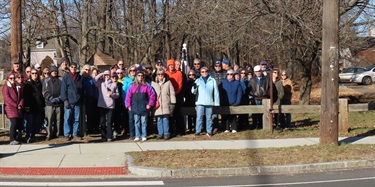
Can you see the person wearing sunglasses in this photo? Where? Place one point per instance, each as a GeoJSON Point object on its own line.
{"type": "Point", "coordinates": [278, 93]}
{"type": "Point", "coordinates": [230, 95]}
{"type": "Point", "coordinates": [190, 100]}
{"type": "Point", "coordinates": [128, 80]}
{"type": "Point", "coordinates": [14, 105]}
{"type": "Point", "coordinates": [207, 96]}
{"type": "Point", "coordinates": [63, 66]}
{"type": "Point", "coordinates": [166, 98]}
{"type": "Point", "coordinates": [140, 99]}
{"type": "Point", "coordinates": [72, 93]}
{"type": "Point", "coordinates": [108, 92]}
{"type": "Point", "coordinates": [285, 118]}
{"type": "Point", "coordinates": [34, 105]}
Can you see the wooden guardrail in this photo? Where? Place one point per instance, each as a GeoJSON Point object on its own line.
{"type": "Point", "coordinates": [344, 109]}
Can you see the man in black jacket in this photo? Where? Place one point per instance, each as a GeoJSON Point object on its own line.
{"type": "Point", "coordinates": [259, 88]}
{"type": "Point", "coordinates": [51, 94]}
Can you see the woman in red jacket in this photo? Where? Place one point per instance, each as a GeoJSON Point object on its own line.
{"type": "Point", "coordinates": [13, 100]}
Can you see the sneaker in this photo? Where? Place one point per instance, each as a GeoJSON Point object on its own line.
{"type": "Point", "coordinates": [196, 135]}
{"type": "Point", "coordinates": [160, 136]}
{"type": "Point", "coordinates": [209, 134]}
{"type": "Point", "coordinates": [226, 131]}
{"type": "Point", "coordinates": [166, 137]}
{"type": "Point", "coordinates": [234, 131]}
{"type": "Point", "coordinates": [67, 138]}
{"type": "Point", "coordinates": [144, 139]}
{"type": "Point", "coordinates": [136, 139]}
{"type": "Point", "coordinates": [109, 140]}
{"type": "Point", "coordinates": [114, 134]}
{"type": "Point", "coordinates": [14, 142]}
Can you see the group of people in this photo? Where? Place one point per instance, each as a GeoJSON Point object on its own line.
{"type": "Point", "coordinates": [125, 101]}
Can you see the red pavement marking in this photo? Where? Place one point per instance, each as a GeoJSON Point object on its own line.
{"type": "Point", "coordinates": [64, 171]}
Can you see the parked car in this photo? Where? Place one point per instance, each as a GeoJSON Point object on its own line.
{"type": "Point", "coordinates": [367, 77]}
{"type": "Point", "coordinates": [347, 73]}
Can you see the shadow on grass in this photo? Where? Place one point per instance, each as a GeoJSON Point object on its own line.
{"type": "Point", "coordinates": [305, 123]}
{"type": "Point", "coordinates": [358, 137]}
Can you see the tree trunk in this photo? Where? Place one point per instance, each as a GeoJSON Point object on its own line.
{"type": "Point", "coordinates": [65, 42]}
{"type": "Point", "coordinates": [84, 39]}
{"type": "Point", "coordinates": [102, 25]}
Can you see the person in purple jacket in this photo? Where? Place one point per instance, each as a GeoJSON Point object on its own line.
{"type": "Point", "coordinates": [139, 99]}
{"type": "Point", "coordinates": [108, 92]}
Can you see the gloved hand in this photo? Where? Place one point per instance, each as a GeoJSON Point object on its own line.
{"type": "Point", "coordinates": [66, 104]}
{"type": "Point", "coordinates": [56, 100]}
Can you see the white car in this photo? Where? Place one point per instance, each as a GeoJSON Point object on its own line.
{"type": "Point", "coordinates": [347, 73]}
{"type": "Point", "coordinates": [367, 77]}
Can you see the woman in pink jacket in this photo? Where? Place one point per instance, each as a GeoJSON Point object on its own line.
{"type": "Point", "coordinates": [13, 100]}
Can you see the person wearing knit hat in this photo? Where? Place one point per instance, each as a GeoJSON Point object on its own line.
{"type": "Point", "coordinates": [226, 64]}
{"type": "Point", "coordinates": [63, 66]}
{"type": "Point", "coordinates": [177, 79]}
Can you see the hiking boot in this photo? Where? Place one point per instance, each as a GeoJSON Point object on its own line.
{"type": "Point", "coordinates": [48, 138]}
{"type": "Point", "coordinates": [67, 138]}
{"type": "Point", "coordinates": [196, 135]}
{"type": "Point", "coordinates": [210, 134]}
{"type": "Point", "coordinates": [166, 137]}
{"type": "Point", "coordinates": [160, 136]}
{"type": "Point", "coordinates": [109, 140]}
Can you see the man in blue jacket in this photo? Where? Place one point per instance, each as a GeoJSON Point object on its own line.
{"type": "Point", "coordinates": [72, 95]}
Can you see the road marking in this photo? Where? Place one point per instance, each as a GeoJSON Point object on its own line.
{"type": "Point", "coordinates": [298, 183]}
{"type": "Point", "coordinates": [114, 183]}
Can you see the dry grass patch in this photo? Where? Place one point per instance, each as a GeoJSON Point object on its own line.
{"type": "Point", "coordinates": [251, 157]}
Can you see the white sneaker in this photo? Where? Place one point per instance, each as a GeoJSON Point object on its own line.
{"type": "Point", "coordinates": [226, 131]}
{"type": "Point", "coordinates": [136, 139]}
{"type": "Point", "coordinates": [234, 131]}
{"type": "Point", "coordinates": [144, 139]}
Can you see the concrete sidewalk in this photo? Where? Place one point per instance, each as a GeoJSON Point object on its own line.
{"type": "Point", "coordinates": [85, 159]}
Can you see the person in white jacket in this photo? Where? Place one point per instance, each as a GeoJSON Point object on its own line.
{"type": "Point", "coordinates": [207, 96]}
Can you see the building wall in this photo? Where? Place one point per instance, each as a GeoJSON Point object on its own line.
{"type": "Point", "coordinates": [38, 56]}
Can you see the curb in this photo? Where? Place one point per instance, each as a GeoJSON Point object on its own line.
{"type": "Point", "coordinates": [251, 170]}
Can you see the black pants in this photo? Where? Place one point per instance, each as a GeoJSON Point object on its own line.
{"type": "Point", "coordinates": [15, 124]}
{"type": "Point", "coordinates": [106, 122]}
{"type": "Point", "coordinates": [230, 122]}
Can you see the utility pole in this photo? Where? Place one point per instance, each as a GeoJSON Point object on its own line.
{"type": "Point", "coordinates": [329, 106]}
{"type": "Point", "coordinates": [16, 33]}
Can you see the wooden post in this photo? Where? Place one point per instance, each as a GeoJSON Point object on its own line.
{"type": "Point", "coordinates": [330, 90]}
{"type": "Point", "coordinates": [266, 114]}
{"type": "Point", "coordinates": [343, 115]}
{"type": "Point", "coordinates": [16, 35]}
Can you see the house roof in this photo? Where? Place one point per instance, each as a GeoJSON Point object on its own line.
{"type": "Point", "coordinates": [100, 59]}
{"type": "Point", "coordinates": [48, 46]}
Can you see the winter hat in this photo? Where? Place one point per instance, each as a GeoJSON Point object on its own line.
{"type": "Point", "coordinates": [53, 68]}
{"type": "Point", "coordinates": [119, 71]}
{"type": "Point", "coordinates": [63, 59]}
{"type": "Point", "coordinates": [257, 68]}
{"type": "Point", "coordinates": [217, 62]}
{"type": "Point", "coordinates": [158, 62]}
{"type": "Point", "coordinates": [263, 62]}
{"type": "Point", "coordinates": [73, 64]}
{"type": "Point", "coordinates": [170, 62]}
{"type": "Point", "coordinates": [37, 66]}
{"type": "Point", "coordinates": [226, 61]}
{"type": "Point", "coordinates": [106, 72]}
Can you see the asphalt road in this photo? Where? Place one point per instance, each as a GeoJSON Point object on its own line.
{"type": "Point", "coordinates": [348, 178]}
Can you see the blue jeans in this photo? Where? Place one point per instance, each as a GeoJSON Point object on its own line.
{"type": "Point", "coordinates": [163, 124]}
{"type": "Point", "coordinates": [71, 119]}
{"type": "Point", "coordinates": [106, 121]}
{"type": "Point", "coordinates": [131, 124]}
{"type": "Point", "coordinates": [201, 110]}
{"type": "Point", "coordinates": [140, 120]}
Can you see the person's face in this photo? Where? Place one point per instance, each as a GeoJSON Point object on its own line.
{"type": "Point", "coordinates": [45, 74]}
{"type": "Point", "coordinates": [235, 67]}
{"type": "Point", "coordinates": [11, 79]}
{"type": "Point", "coordinates": [86, 70]}
{"type": "Point", "coordinates": [94, 73]}
{"type": "Point", "coordinates": [263, 67]}
{"type": "Point", "coordinates": [192, 75]}
{"type": "Point", "coordinates": [149, 70]}
{"type": "Point", "coordinates": [275, 74]}
{"type": "Point", "coordinates": [132, 72]}
{"type": "Point", "coordinates": [204, 73]}
{"type": "Point", "coordinates": [225, 66]}
{"type": "Point", "coordinates": [107, 77]}
{"type": "Point", "coordinates": [120, 74]}
{"type": "Point", "coordinates": [160, 76]}
{"type": "Point", "coordinates": [237, 77]}
{"type": "Point", "coordinates": [140, 77]}
{"type": "Point", "coordinates": [16, 67]}
{"type": "Point", "coordinates": [19, 79]}
{"type": "Point", "coordinates": [73, 69]}
{"type": "Point", "coordinates": [249, 75]}
{"type": "Point", "coordinates": [177, 65]}
{"type": "Point", "coordinates": [283, 76]}
{"type": "Point", "coordinates": [197, 65]}
{"type": "Point", "coordinates": [120, 64]}
{"type": "Point", "coordinates": [258, 73]}
{"type": "Point", "coordinates": [53, 73]}
{"type": "Point", "coordinates": [114, 78]}
{"type": "Point", "coordinates": [34, 75]}
{"type": "Point", "coordinates": [158, 65]}
{"type": "Point", "coordinates": [28, 71]}
{"type": "Point", "coordinates": [243, 74]}
{"type": "Point", "coordinates": [230, 75]}
{"type": "Point", "coordinates": [64, 64]}
{"type": "Point", "coordinates": [217, 67]}
{"type": "Point", "coordinates": [171, 67]}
